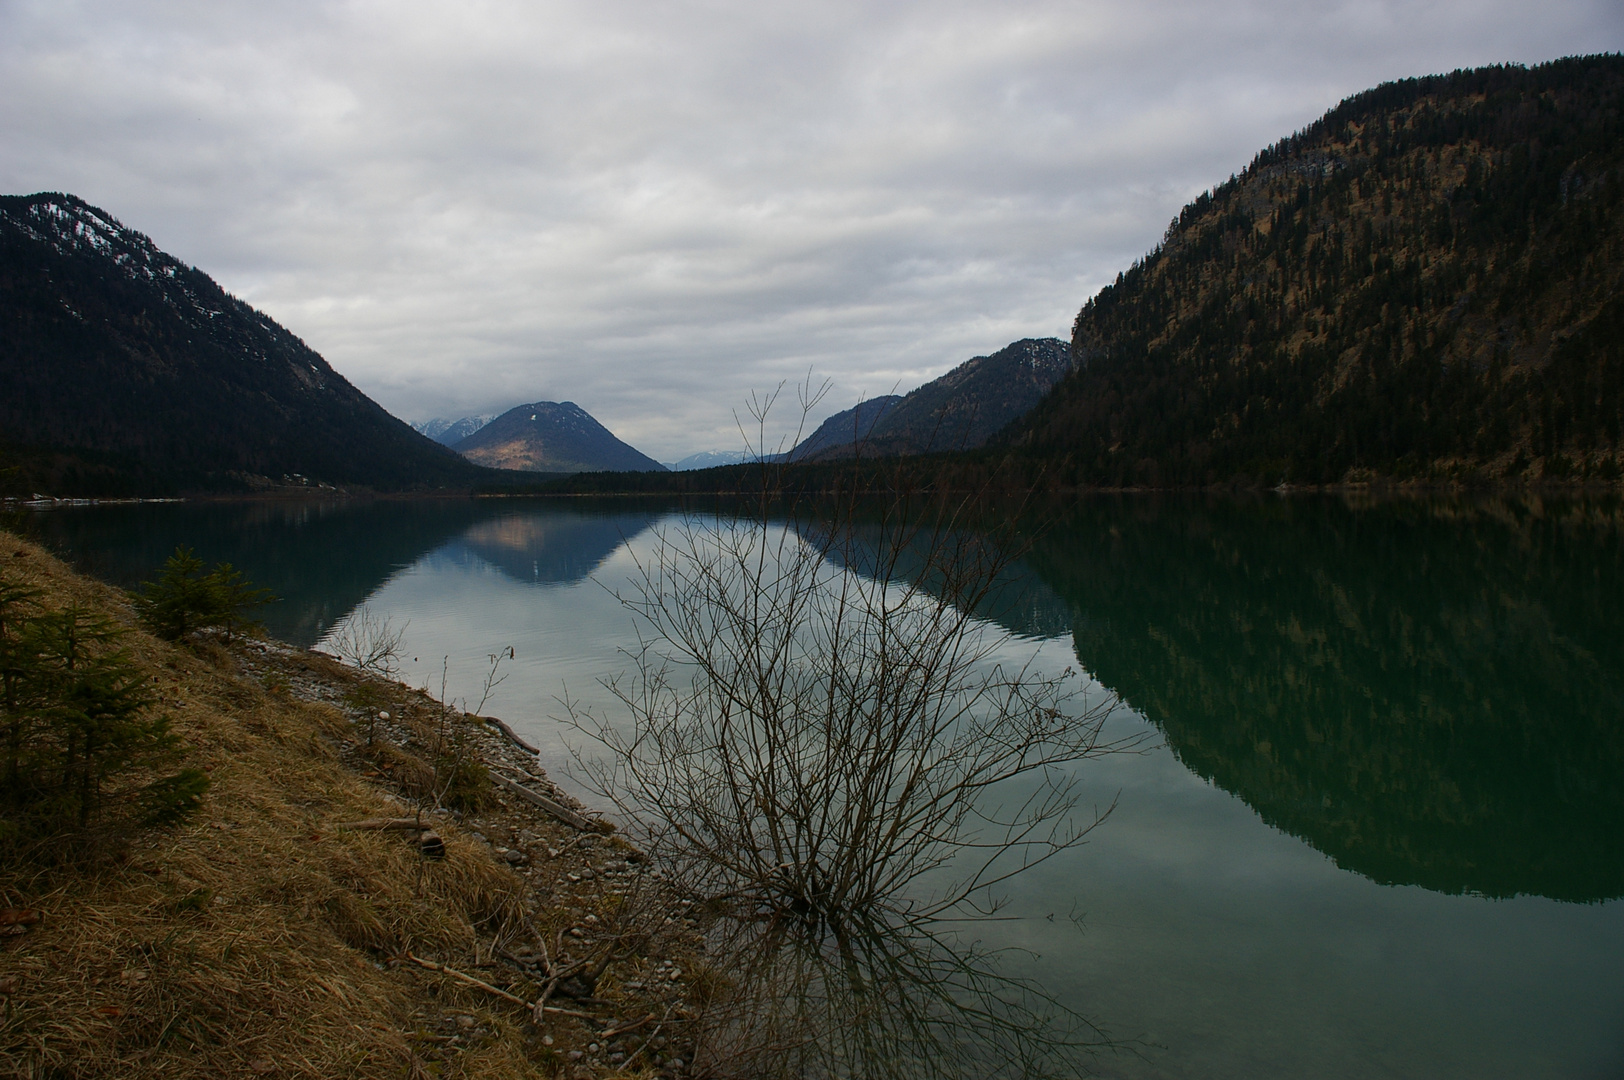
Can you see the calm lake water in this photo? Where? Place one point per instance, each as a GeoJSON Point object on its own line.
{"type": "Point", "coordinates": [1381, 832]}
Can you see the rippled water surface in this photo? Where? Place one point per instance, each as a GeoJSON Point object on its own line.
{"type": "Point", "coordinates": [1382, 829]}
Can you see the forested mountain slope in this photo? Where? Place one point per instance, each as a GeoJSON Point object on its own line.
{"type": "Point", "coordinates": [1424, 284]}
{"type": "Point", "coordinates": [957, 411]}
{"type": "Point", "coordinates": [124, 371]}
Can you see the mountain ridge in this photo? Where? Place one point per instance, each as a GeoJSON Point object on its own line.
{"type": "Point", "coordinates": [446, 432]}
{"type": "Point", "coordinates": [960, 410]}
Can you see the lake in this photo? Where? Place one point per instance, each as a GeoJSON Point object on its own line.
{"type": "Point", "coordinates": [1380, 830]}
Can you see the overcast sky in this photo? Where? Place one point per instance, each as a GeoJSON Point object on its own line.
{"type": "Point", "coordinates": [653, 208]}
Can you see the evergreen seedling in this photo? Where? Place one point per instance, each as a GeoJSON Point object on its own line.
{"type": "Point", "coordinates": [86, 759]}
{"type": "Point", "coordinates": [186, 598]}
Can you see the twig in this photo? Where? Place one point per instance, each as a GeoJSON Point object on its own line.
{"type": "Point", "coordinates": [405, 824]}
{"type": "Point", "coordinates": [469, 979]}
{"type": "Point", "coordinates": [612, 1032]}
{"type": "Point", "coordinates": [627, 1064]}
{"type": "Point", "coordinates": [480, 984]}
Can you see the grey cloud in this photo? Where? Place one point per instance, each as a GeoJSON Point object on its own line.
{"type": "Point", "coordinates": [653, 208]}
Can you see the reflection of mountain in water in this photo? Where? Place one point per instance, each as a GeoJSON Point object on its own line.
{"type": "Point", "coordinates": [550, 547]}
{"type": "Point", "coordinates": [321, 559]}
{"type": "Point", "coordinates": [325, 559]}
{"type": "Point", "coordinates": [1431, 696]}
{"type": "Point", "coordinates": [1018, 599]}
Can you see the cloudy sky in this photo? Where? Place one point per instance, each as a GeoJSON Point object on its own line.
{"type": "Point", "coordinates": [653, 208]}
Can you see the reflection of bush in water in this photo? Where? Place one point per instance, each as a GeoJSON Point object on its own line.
{"type": "Point", "coordinates": [884, 999]}
{"type": "Point", "coordinates": [818, 754]}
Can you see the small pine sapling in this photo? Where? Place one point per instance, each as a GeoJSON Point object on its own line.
{"type": "Point", "coordinates": [88, 762]}
{"type": "Point", "coordinates": [186, 598]}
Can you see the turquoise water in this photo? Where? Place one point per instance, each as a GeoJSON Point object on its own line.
{"type": "Point", "coordinates": [1380, 831]}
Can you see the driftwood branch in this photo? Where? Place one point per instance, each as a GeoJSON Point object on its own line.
{"type": "Point", "coordinates": [556, 809]}
{"type": "Point", "coordinates": [501, 725]}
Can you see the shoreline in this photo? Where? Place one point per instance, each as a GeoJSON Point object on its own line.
{"type": "Point", "coordinates": [1364, 491]}
{"type": "Point", "coordinates": [314, 942]}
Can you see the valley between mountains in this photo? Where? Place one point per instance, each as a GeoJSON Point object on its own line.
{"type": "Point", "coordinates": [1421, 287]}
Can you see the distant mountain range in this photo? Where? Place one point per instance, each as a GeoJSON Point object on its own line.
{"type": "Point", "coordinates": [1425, 284]}
{"type": "Point", "coordinates": [552, 437]}
{"type": "Point", "coordinates": [707, 459]}
{"type": "Point", "coordinates": [451, 432]}
{"type": "Point", "coordinates": [124, 371]}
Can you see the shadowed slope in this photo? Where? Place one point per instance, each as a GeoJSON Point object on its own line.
{"type": "Point", "coordinates": [124, 371]}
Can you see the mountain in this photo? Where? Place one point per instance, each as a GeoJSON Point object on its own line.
{"type": "Point", "coordinates": [1427, 283]}
{"type": "Point", "coordinates": [844, 428]}
{"type": "Point", "coordinates": [973, 402]}
{"type": "Point", "coordinates": [553, 437]}
{"type": "Point", "coordinates": [707, 459]}
{"type": "Point", "coordinates": [124, 371]}
{"type": "Point", "coordinates": [448, 432]}
{"type": "Point", "coordinates": [959, 411]}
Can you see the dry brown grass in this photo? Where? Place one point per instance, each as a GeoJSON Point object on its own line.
{"type": "Point", "coordinates": [255, 939]}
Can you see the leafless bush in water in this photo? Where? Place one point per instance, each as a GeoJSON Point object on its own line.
{"type": "Point", "coordinates": [821, 741]}
{"type": "Point", "coordinates": [367, 642]}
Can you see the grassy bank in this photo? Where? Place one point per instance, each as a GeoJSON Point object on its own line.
{"type": "Point", "coordinates": [269, 936]}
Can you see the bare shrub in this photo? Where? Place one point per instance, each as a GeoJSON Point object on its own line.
{"type": "Point", "coordinates": [368, 642]}
{"type": "Point", "coordinates": [831, 751]}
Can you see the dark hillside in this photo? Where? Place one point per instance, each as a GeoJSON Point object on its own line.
{"type": "Point", "coordinates": [844, 428]}
{"type": "Point", "coordinates": [958, 411]}
{"type": "Point", "coordinates": [973, 402]}
{"type": "Point", "coordinates": [123, 371]}
{"type": "Point", "coordinates": [1427, 283]}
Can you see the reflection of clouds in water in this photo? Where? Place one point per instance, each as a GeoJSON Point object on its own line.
{"type": "Point", "coordinates": [463, 608]}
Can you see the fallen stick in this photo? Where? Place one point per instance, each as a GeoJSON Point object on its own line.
{"type": "Point", "coordinates": [557, 810]}
{"type": "Point", "coordinates": [612, 1032]}
{"type": "Point", "coordinates": [481, 984]}
{"type": "Point", "coordinates": [627, 1064]}
{"type": "Point", "coordinates": [405, 824]}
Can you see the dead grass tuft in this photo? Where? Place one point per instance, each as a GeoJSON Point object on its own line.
{"type": "Point", "coordinates": [414, 775]}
